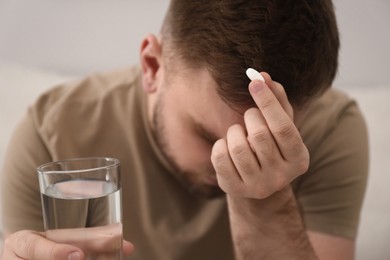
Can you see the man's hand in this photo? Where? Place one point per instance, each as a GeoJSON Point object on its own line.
{"type": "Point", "coordinates": [255, 165]}
{"type": "Point", "coordinates": [266, 155]}
{"type": "Point", "coordinates": [34, 245]}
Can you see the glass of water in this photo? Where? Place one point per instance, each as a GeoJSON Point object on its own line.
{"type": "Point", "coordinates": [81, 205]}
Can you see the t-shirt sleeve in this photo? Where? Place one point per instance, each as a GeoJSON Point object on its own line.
{"type": "Point", "coordinates": [331, 193]}
{"type": "Point", "coordinates": [20, 189]}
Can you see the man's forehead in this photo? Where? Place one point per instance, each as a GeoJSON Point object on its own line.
{"type": "Point", "coordinates": [214, 124]}
{"type": "Point", "coordinates": [208, 83]}
{"type": "Point", "coordinates": [210, 114]}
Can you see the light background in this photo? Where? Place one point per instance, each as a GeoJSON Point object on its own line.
{"type": "Point", "coordinates": [78, 37]}
{"type": "Point", "coordinates": [43, 42]}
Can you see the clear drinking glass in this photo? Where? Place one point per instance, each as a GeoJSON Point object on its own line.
{"type": "Point", "coordinates": [81, 204]}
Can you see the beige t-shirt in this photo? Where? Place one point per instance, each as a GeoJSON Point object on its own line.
{"type": "Point", "coordinates": [105, 115]}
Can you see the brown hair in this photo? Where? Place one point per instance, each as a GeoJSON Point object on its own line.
{"type": "Point", "coordinates": [295, 41]}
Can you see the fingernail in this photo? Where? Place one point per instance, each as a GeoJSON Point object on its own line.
{"type": "Point", "coordinates": [256, 86]}
{"type": "Point", "coordinates": [74, 256]}
{"type": "Point", "coordinates": [254, 74]}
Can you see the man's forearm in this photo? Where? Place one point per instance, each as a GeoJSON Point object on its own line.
{"type": "Point", "coordinates": [271, 228]}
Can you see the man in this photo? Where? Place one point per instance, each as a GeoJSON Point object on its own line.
{"type": "Point", "coordinates": [210, 169]}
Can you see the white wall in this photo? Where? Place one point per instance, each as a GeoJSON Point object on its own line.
{"type": "Point", "coordinates": [78, 37]}
{"type": "Point", "coordinates": [365, 42]}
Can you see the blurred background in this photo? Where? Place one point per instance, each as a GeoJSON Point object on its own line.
{"type": "Point", "coordinates": [44, 42]}
{"type": "Point", "coordinates": [78, 37]}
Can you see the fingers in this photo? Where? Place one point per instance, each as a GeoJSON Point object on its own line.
{"type": "Point", "coordinates": [242, 154]}
{"type": "Point", "coordinates": [69, 244]}
{"type": "Point", "coordinates": [103, 239]}
{"type": "Point", "coordinates": [228, 178]}
{"type": "Point", "coordinates": [266, 153]}
{"type": "Point", "coordinates": [261, 139]}
{"type": "Point", "coordinates": [33, 245]}
{"type": "Point", "coordinates": [237, 166]}
{"type": "Point", "coordinates": [128, 248]}
{"type": "Point", "coordinates": [280, 94]}
{"type": "Point", "coordinates": [281, 126]}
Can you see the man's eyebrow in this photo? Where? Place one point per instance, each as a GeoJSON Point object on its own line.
{"type": "Point", "coordinates": [205, 133]}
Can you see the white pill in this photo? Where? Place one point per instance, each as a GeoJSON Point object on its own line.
{"type": "Point", "coordinates": [254, 74]}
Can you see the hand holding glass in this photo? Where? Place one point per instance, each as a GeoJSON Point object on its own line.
{"type": "Point", "coordinates": [81, 204]}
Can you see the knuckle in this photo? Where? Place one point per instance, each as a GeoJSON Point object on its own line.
{"type": "Point", "coordinates": [267, 103]}
{"type": "Point", "coordinates": [234, 129]}
{"type": "Point", "coordinates": [268, 157]}
{"type": "Point", "coordinates": [303, 164]}
{"type": "Point", "coordinates": [218, 159]}
{"type": "Point", "coordinates": [229, 187]}
{"type": "Point", "coordinates": [302, 160]}
{"type": "Point", "coordinates": [20, 241]}
{"type": "Point", "coordinates": [24, 244]}
{"type": "Point", "coordinates": [280, 183]}
{"type": "Point", "coordinates": [221, 168]}
{"type": "Point", "coordinates": [260, 136]}
{"type": "Point", "coordinates": [285, 130]}
{"type": "Point", "coordinates": [251, 111]}
{"type": "Point", "coordinates": [218, 153]}
{"type": "Point", "coordinates": [238, 150]}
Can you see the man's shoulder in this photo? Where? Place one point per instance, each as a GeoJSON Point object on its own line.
{"type": "Point", "coordinates": [325, 113]}
{"type": "Point", "coordinates": [87, 91]}
{"type": "Point", "coordinates": [331, 103]}
{"type": "Point", "coordinates": [93, 85]}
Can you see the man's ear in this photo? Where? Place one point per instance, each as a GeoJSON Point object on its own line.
{"type": "Point", "coordinates": [150, 55]}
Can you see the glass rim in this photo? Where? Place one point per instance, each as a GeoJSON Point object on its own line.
{"type": "Point", "coordinates": [115, 162]}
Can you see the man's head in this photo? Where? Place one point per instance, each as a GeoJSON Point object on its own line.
{"type": "Point", "coordinates": [295, 41]}
{"type": "Point", "coordinates": [194, 73]}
